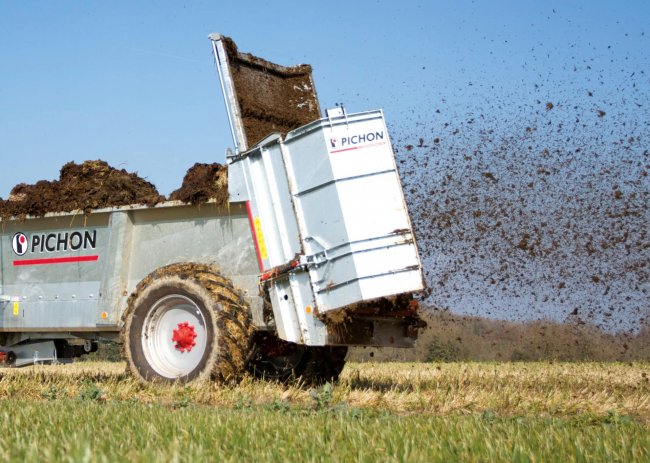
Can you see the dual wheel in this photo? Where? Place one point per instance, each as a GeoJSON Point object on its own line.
{"type": "Point", "coordinates": [185, 322]}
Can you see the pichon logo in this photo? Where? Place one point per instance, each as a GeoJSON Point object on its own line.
{"type": "Point", "coordinates": [357, 139]}
{"type": "Point", "coordinates": [54, 242]}
{"type": "Point", "coordinates": [19, 243]}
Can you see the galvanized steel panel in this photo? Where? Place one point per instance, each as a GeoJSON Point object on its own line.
{"type": "Point", "coordinates": [52, 287]}
{"type": "Point", "coordinates": [331, 192]}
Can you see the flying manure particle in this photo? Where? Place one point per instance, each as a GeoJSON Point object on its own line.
{"type": "Point", "coordinates": [512, 211]}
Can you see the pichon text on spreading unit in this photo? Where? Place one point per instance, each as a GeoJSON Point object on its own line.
{"type": "Point", "coordinates": [56, 242]}
{"type": "Point", "coordinates": [356, 139]}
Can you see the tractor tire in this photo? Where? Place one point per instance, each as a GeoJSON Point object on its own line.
{"type": "Point", "coordinates": [185, 322]}
{"type": "Point", "coordinates": [277, 360]}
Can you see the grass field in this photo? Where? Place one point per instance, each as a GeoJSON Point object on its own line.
{"type": "Point", "coordinates": [378, 412]}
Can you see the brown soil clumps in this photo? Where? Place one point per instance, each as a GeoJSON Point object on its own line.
{"type": "Point", "coordinates": [203, 182]}
{"type": "Point", "coordinates": [272, 98]}
{"type": "Point", "coordinates": [86, 186]}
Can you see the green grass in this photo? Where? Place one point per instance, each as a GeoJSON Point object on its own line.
{"type": "Point", "coordinates": [78, 430]}
{"type": "Point", "coordinates": [377, 413]}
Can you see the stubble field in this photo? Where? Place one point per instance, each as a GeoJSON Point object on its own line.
{"type": "Point", "coordinates": [93, 411]}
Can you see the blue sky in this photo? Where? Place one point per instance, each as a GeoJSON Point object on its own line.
{"type": "Point", "coordinates": [133, 83]}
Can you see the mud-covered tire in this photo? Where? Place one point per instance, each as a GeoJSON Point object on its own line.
{"type": "Point", "coordinates": [308, 365]}
{"type": "Point", "coordinates": [185, 322]}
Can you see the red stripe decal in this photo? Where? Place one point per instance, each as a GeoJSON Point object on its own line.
{"type": "Point", "coordinates": [257, 246]}
{"type": "Point", "coordinates": [56, 260]}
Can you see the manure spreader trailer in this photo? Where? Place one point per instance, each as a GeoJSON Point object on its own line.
{"type": "Point", "coordinates": [313, 252]}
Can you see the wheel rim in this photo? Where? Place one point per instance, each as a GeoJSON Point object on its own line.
{"type": "Point", "coordinates": [174, 336]}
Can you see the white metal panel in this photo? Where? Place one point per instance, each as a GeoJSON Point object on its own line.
{"type": "Point", "coordinates": [284, 215]}
{"type": "Point", "coordinates": [367, 148]}
{"type": "Point", "coordinates": [314, 331]}
{"type": "Point", "coordinates": [293, 311]}
{"type": "Point", "coordinates": [284, 312]}
{"type": "Point", "coordinates": [338, 200]}
{"type": "Point", "coordinates": [353, 205]}
{"type": "Point", "coordinates": [382, 285]}
{"type": "Point", "coordinates": [372, 206]}
{"type": "Point", "coordinates": [309, 165]}
{"type": "Point", "coordinates": [237, 183]}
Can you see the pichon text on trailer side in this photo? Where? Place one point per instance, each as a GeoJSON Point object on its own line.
{"type": "Point", "coordinates": [356, 139]}
{"type": "Point", "coordinates": [54, 242]}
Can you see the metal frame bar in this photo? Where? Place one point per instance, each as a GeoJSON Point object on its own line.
{"type": "Point", "coordinates": [229, 94]}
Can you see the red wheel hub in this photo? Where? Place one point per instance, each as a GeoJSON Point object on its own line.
{"type": "Point", "coordinates": [184, 337]}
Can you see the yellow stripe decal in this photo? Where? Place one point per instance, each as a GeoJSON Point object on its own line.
{"type": "Point", "coordinates": [260, 238]}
